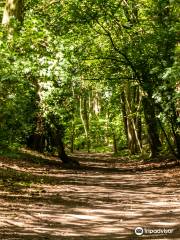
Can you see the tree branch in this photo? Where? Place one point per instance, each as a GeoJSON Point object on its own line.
{"type": "Point", "coordinates": [129, 63]}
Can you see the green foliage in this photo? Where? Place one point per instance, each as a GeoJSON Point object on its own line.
{"type": "Point", "coordinates": [67, 50]}
{"type": "Point", "coordinates": [16, 101]}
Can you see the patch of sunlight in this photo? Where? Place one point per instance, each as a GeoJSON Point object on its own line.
{"type": "Point", "coordinates": [132, 214]}
{"type": "Point", "coordinates": [162, 203]}
{"type": "Point", "coordinates": [160, 223]}
{"type": "Point", "coordinates": [3, 224]}
{"type": "Point", "coordinates": [111, 229]}
{"type": "Point", "coordinates": [15, 223]}
{"type": "Point", "coordinates": [43, 229]}
{"type": "Point", "coordinates": [82, 217]}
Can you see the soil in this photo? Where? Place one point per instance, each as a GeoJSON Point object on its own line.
{"type": "Point", "coordinates": [106, 198]}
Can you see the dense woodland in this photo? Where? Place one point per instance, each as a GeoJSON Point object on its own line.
{"type": "Point", "coordinates": [90, 75]}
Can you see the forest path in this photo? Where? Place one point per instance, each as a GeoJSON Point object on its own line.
{"type": "Point", "coordinates": [42, 201]}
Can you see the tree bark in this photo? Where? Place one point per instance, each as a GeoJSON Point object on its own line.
{"type": "Point", "coordinates": [13, 8]}
{"type": "Point", "coordinates": [152, 126]}
{"type": "Point", "coordinates": [60, 147]}
{"type": "Point", "coordinates": [114, 143]}
{"type": "Point", "coordinates": [123, 107]}
{"type": "Point", "coordinates": [72, 136]}
{"type": "Point", "coordinates": [132, 121]}
{"type": "Point", "coordinates": [85, 120]}
{"type": "Point", "coordinates": [175, 125]}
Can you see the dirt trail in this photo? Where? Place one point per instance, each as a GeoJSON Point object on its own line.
{"type": "Point", "coordinates": [82, 204]}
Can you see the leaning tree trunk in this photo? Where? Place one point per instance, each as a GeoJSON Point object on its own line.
{"type": "Point", "coordinates": [60, 147]}
{"type": "Point", "coordinates": [62, 153]}
{"type": "Point", "coordinates": [57, 134]}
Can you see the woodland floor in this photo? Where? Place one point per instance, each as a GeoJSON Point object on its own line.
{"type": "Point", "coordinates": [107, 198]}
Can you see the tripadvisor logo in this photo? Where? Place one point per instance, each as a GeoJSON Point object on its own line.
{"type": "Point", "coordinates": [139, 231]}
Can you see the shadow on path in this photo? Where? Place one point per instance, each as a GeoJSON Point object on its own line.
{"type": "Point", "coordinates": [42, 201]}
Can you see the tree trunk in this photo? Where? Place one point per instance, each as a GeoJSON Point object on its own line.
{"type": "Point", "coordinates": [72, 136]}
{"type": "Point", "coordinates": [85, 120]}
{"type": "Point", "coordinates": [176, 136]}
{"type": "Point", "coordinates": [152, 126]}
{"type": "Point", "coordinates": [13, 8]}
{"type": "Point", "coordinates": [175, 125]}
{"type": "Point", "coordinates": [61, 149]}
{"type": "Point", "coordinates": [36, 141]}
{"type": "Point", "coordinates": [114, 143]}
{"type": "Point", "coordinates": [62, 154]}
{"type": "Point", "coordinates": [131, 137]}
{"type": "Point", "coordinates": [167, 139]}
{"type": "Point", "coordinates": [124, 114]}
{"type": "Point", "coordinates": [131, 117]}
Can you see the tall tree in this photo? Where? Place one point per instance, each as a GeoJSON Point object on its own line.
{"type": "Point", "coordinates": [126, 40]}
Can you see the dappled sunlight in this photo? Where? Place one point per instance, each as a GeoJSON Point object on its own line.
{"type": "Point", "coordinates": [81, 203]}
